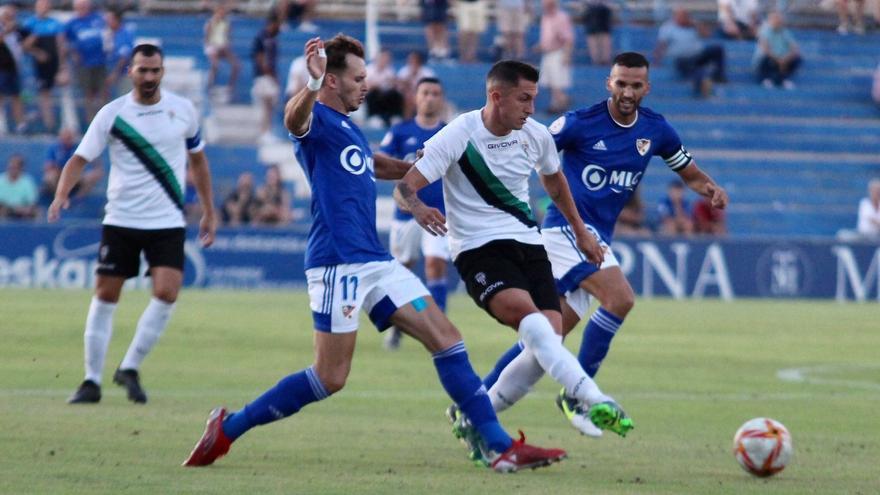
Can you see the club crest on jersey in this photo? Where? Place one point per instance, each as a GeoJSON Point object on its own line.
{"type": "Point", "coordinates": [347, 310]}
{"type": "Point", "coordinates": [643, 145]}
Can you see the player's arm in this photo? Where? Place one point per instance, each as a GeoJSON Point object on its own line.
{"type": "Point", "coordinates": [557, 188]}
{"type": "Point", "coordinates": [201, 175]}
{"type": "Point", "coordinates": [388, 167]}
{"type": "Point", "coordinates": [298, 111]}
{"type": "Point", "coordinates": [69, 177]}
{"type": "Point", "coordinates": [405, 194]}
{"type": "Point", "coordinates": [702, 184]}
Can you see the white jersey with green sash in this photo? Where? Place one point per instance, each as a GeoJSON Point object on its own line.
{"type": "Point", "coordinates": [486, 179]}
{"type": "Point", "coordinates": [148, 157]}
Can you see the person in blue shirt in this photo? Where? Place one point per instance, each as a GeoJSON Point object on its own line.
{"type": "Point", "coordinates": [118, 55]}
{"type": "Point", "coordinates": [606, 150]}
{"type": "Point", "coordinates": [349, 271]}
{"type": "Point", "coordinates": [408, 241]}
{"type": "Point", "coordinates": [43, 41]}
{"type": "Point", "coordinates": [85, 37]}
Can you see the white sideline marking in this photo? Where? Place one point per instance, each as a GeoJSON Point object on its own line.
{"type": "Point", "coordinates": [807, 374]}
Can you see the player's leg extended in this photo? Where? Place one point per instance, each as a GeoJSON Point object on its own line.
{"type": "Point", "coordinates": [616, 297]}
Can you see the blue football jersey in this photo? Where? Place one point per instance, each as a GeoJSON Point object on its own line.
{"type": "Point", "coordinates": [605, 161]}
{"type": "Point", "coordinates": [339, 164]}
{"type": "Point", "coordinates": [402, 141]}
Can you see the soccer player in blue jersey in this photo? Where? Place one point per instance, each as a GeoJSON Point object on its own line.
{"type": "Point", "coordinates": [348, 270]}
{"type": "Point", "coordinates": [407, 238]}
{"type": "Point", "coordinates": [606, 150]}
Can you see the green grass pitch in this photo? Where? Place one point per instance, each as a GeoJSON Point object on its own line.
{"type": "Point", "coordinates": [688, 372]}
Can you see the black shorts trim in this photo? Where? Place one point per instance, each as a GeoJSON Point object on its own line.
{"type": "Point", "coordinates": [508, 264]}
{"type": "Point", "coordinates": [121, 247]}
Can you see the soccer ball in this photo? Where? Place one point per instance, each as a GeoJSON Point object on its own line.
{"type": "Point", "coordinates": [762, 446]}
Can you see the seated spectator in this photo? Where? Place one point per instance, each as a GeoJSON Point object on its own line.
{"type": "Point", "coordinates": [631, 220]}
{"type": "Point", "coordinates": [383, 99]}
{"type": "Point", "coordinates": [680, 39]}
{"type": "Point", "coordinates": [471, 18]}
{"type": "Point", "coordinates": [218, 46]}
{"type": "Point", "coordinates": [273, 200]}
{"type": "Point", "coordinates": [777, 56]}
{"type": "Point", "coordinates": [408, 78]}
{"type": "Point", "coordinates": [869, 211]}
{"type": "Point", "coordinates": [875, 89]}
{"type": "Point", "coordinates": [597, 23]}
{"type": "Point", "coordinates": [240, 205]}
{"type": "Point", "coordinates": [434, 14]}
{"type": "Point", "coordinates": [18, 191]}
{"type": "Point", "coordinates": [43, 42]}
{"type": "Point", "coordinates": [299, 14]}
{"type": "Point", "coordinates": [56, 158]}
{"type": "Point", "coordinates": [674, 211]}
{"type": "Point", "coordinates": [556, 45]}
{"type": "Point", "coordinates": [119, 53]}
{"type": "Point", "coordinates": [297, 77]}
{"type": "Point", "coordinates": [738, 19]}
{"type": "Point", "coordinates": [709, 220]}
{"type": "Point", "coordinates": [11, 54]}
{"type": "Point", "coordinates": [858, 16]}
{"type": "Point", "coordinates": [512, 19]}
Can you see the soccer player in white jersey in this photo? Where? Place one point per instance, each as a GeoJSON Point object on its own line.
{"type": "Point", "coordinates": [606, 151]}
{"type": "Point", "coordinates": [485, 158]}
{"type": "Point", "coordinates": [349, 271]}
{"type": "Point", "coordinates": [151, 133]}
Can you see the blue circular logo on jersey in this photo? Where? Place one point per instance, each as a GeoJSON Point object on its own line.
{"type": "Point", "coordinates": [594, 177]}
{"type": "Point", "coordinates": [352, 159]}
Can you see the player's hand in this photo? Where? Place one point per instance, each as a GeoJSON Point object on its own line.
{"type": "Point", "coordinates": [717, 195]}
{"type": "Point", "coordinates": [589, 245]}
{"type": "Point", "coordinates": [316, 59]}
{"type": "Point", "coordinates": [431, 220]}
{"type": "Point", "coordinates": [54, 211]}
{"type": "Point", "coordinates": [207, 230]}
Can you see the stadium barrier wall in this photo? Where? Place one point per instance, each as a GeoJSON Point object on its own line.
{"type": "Point", "coordinates": [64, 256]}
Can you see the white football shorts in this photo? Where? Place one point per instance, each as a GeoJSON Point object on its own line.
{"type": "Point", "coordinates": [409, 242]}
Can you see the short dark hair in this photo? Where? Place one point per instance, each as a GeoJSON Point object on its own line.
{"type": "Point", "coordinates": [632, 60]}
{"type": "Point", "coordinates": [429, 80]}
{"type": "Point", "coordinates": [147, 50]}
{"type": "Point", "coordinates": [337, 48]}
{"type": "Point", "coordinates": [511, 71]}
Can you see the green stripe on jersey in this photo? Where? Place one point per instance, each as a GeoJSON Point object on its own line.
{"type": "Point", "coordinates": [491, 188]}
{"type": "Point", "coordinates": [150, 157]}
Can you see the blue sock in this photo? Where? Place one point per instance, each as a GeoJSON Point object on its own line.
{"type": "Point", "coordinates": [437, 288]}
{"type": "Point", "coordinates": [597, 339]}
{"type": "Point", "coordinates": [290, 395]}
{"type": "Point", "coordinates": [463, 385]}
{"type": "Point", "coordinates": [502, 363]}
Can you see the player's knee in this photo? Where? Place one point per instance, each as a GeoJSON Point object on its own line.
{"type": "Point", "coordinates": [622, 304]}
{"type": "Point", "coordinates": [333, 383]}
{"type": "Point", "coordinates": [167, 295]}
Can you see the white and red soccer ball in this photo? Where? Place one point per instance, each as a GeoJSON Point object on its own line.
{"type": "Point", "coordinates": [762, 446]}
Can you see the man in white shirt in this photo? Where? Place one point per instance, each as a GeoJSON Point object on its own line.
{"type": "Point", "coordinates": [738, 19]}
{"type": "Point", "coordinates": [485, 158]}
{"type": "Point", "coordinates": [869, 211]}
{"type": "Point", "coordinates": [151, 134]}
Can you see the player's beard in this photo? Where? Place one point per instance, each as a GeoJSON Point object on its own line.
{"type": "Point", "coordinates": [148, 91]}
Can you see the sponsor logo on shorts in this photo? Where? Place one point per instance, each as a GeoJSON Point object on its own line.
{"type": "Point", "coordinates": [480, 278]}
{"type": "Point", "coordinates": [489, 290]}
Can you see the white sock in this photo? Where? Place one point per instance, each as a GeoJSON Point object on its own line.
{"type": "Point", "coordinates": [515, 381]}
{"type": "Point", "coordinates": [149, 329]}
{"type": "Point", "coordinates": [99, 328]}
{"type": "Point", "coordinates": [538, 335]}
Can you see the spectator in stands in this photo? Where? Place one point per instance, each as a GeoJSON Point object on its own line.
{"type": "Point", "coordinates": [875, 89]}
{"type": "Point", "coordinates": [681, 40]}
{"type": "Point", "coordinates": [408, 78]}
{"type": "Point", "coordinates": [297, 77]}
{"type": "Point", "coordinates": [674, 211]}
{"type": "Point", "coordinates": [556, 45]}
{"type": "Point", "coordinates": [738, 19]}
{"type": "Point", "coordinates": [597, 23]}
{"type": "Point", "coordinates": [869, 211]}
{"type": "Point", "coordinates": [858, 16]}
{"type": "Point", "coordinates": [708, 220]}
{"type": "Point", "coordinates": [512, 18]}
{"type": "Point", "coordinates": [777, 56]}
{"type": "Point", "coordinates": [56, 157]}
{"type": "Point", "coordinates": [118, 54]}
{"type": "Point", "coordinates": [85, 36]}
{"type": "Point", "coordinates": [218, 46]}
{"type": "Point", "coordinates": [266, 90]}
{"type": "Point", "coordinates": [299, 13]}
{"type": "Point", "coordinates": [471, 22]}
{"type": "Point", "coordinates": [434, 14]}
{"type": "Point", "coordinates": [43, 42]}
{"type": "Point", "coordinates": [240, 205]}
{"type": "Point", "coordinates": [384, 100]}
{"type": "Point", "coordinates": [273, 200]}
{"type": "Point", "coordinates": [631, 220]}
{"type": "Point", "coordinates": [18, 191]}
{"type": "Point", "coordinates": [11, 54]}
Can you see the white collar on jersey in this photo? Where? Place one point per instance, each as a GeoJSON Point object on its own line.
{"type": "Point", "coordinates": [608, 103]}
